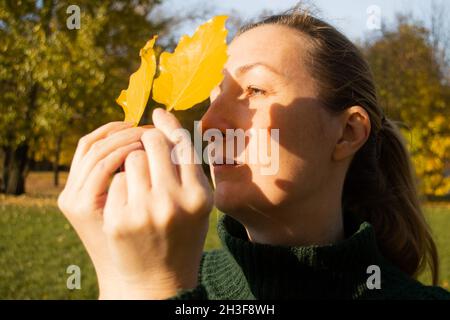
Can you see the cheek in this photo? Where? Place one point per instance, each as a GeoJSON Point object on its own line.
{"type": "Point", "coordinates": [306, 134]}
{"type": "Point", "coordinates": [292, 177]}
{"type": "Point", "coordinates": [302, 135]}
{"type": "Point", "coordinates": [304, 159]}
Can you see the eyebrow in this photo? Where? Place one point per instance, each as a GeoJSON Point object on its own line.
{"type": "Point", "coordinates": [245, 68]}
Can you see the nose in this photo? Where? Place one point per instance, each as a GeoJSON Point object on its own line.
{"type": "Point", "coordinates": [223, 112]}
{"type": "Point", "coordinates": [217, 115]}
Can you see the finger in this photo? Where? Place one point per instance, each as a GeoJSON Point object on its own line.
{"type": "Point", "coordinates": [138, 176]}
{"type": "Point", "coordinates": [104, 147]}
{"type": "Point", "coordinates": [163, 171]}
{"type": "Point", "coordinates": [190, 169]}
{"type": "Point", "coordinates": [98, 179]}
{"type": "Point", "coordinates": [102, 132]}
{"type": "Point", "coordinates": [116, 202]}
{"type": "Point", "coordinates": [85, 143]}
{"type": "Point", "coordinates": [166, 122]}
{"type": "Point", "coordinates": [117, 193]}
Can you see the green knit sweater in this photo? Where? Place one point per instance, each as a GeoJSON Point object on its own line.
{"type": "Point", "coordinates": [246, 270]}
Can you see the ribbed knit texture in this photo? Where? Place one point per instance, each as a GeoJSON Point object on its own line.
{"type": "Point", "coordinates": [246, 270]}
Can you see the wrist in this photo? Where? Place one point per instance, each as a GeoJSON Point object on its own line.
{"type": "Point", "coordinates": [156, 287]}
{"type": "Point", "coordinates": [109, 286]}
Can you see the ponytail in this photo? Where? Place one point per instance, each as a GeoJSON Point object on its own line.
{"type": "Point", "coordinates": [380, 186]}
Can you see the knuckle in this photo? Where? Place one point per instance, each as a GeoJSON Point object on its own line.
{"type": "Point", "coordinates": [199, 201]}
{"type": "Point", "coordinates": [62, 202]}
{"type": "Point", "coordinates": [167, 212]}
{"type": "Point", "coordinates": [166, 203]}
{"type": "Point", "coordinates": [113, 225]}
{"type": "Point", "coordinates": [142, 203]}
{"type": "Point", "coordinates": [118, 179]}
{"type": "Point", "coordinates": [139, 130]}
{"type": "Point", "coordinates": [140, 224]}
{"type": "Point", "coordinates": [71, 208]}
{"type": "Point", "coordinates": [82, 143]}
{"type": "Point", "coordinates": [114, 230]}
{"type": "Point", "coordinates": [180, 136]}
{"type": "Point", "coordinates": [101, 165]}
{"type": "Point", "coordinates": [170, 208]}
{"type": "Point", "coordinates": [154, 137]}
{"type": "Point", "coordinates": [82, 209]}
{"type": "Point", "coordinates": [136, 156]}
{"type": "Point", "coordinates": [96, 146]}
{"type": "Point", "coordinates": [120, 228]}
{"type": "Point", "coordinates": [166, 219]}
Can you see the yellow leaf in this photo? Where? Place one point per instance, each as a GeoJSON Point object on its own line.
{"type": "Point", "coordinates": [188, 75]}
{"type": "Point", "coordinates": [134, 99]}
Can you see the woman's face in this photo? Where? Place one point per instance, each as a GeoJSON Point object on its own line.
{"type": "Point", "coordinates": [267, 86]}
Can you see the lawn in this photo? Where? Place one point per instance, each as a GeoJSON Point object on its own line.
{"type": "Point", "coordinates": [37, 245]}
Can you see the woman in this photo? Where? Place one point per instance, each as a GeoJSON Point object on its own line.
{"type": "Point", "coordinates": [340, 218]}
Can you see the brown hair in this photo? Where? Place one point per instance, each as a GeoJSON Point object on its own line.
{"type": "Point", "coordinates": [380, 182]}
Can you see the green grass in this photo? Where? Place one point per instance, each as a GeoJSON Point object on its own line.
{"type": "Point", "coordinates": [438, 218]}
{"type": "Point", "coordinates": [37, 245]}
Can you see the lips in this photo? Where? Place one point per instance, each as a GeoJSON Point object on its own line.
{"type": "Point", "coordinates": [227, 162]}
{"type": "Point", "coordinates": [221, 157]}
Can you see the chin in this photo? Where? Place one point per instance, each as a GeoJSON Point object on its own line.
{"type": "Point", "coordinates": [230, 198]}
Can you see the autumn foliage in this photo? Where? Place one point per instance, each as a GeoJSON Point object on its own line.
{"type": "Point", "coordinates": [414, 89]}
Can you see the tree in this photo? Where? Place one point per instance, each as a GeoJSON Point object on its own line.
{"type": "Point", "coordinates": [412, 90]}
{"type": "Point", "coordinates": [56, 82]}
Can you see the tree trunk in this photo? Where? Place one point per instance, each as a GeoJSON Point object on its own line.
{"type": "Point", "coordinates": [15, 171]}
{"type": "Point", "coordinates": [4, 157]}
{"type": "Point", "coordinates": [17, 158]}
{"type": "Point", "coordinates": [56, 160]}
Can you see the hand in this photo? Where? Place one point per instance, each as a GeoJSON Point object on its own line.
{"type": "Point", "coordinates": [156, 215]}
{"type": "Point", "coordinates": [98, 155]}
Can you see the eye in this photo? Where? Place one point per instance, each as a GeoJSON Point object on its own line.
{"type": "Point", "coordinates": [254, 91]}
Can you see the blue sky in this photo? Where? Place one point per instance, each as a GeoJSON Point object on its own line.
{"type": "Point", "coordinates": [348, 15]}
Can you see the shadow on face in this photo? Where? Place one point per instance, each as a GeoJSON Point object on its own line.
{"type": "Point", "coordinates": [265, 87]}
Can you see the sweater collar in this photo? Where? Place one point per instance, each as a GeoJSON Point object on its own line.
{"type": "Point", "coordinates": [331, 271]}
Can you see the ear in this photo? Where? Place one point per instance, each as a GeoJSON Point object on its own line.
{"type": "Point", "coordinates": [355, 131]}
